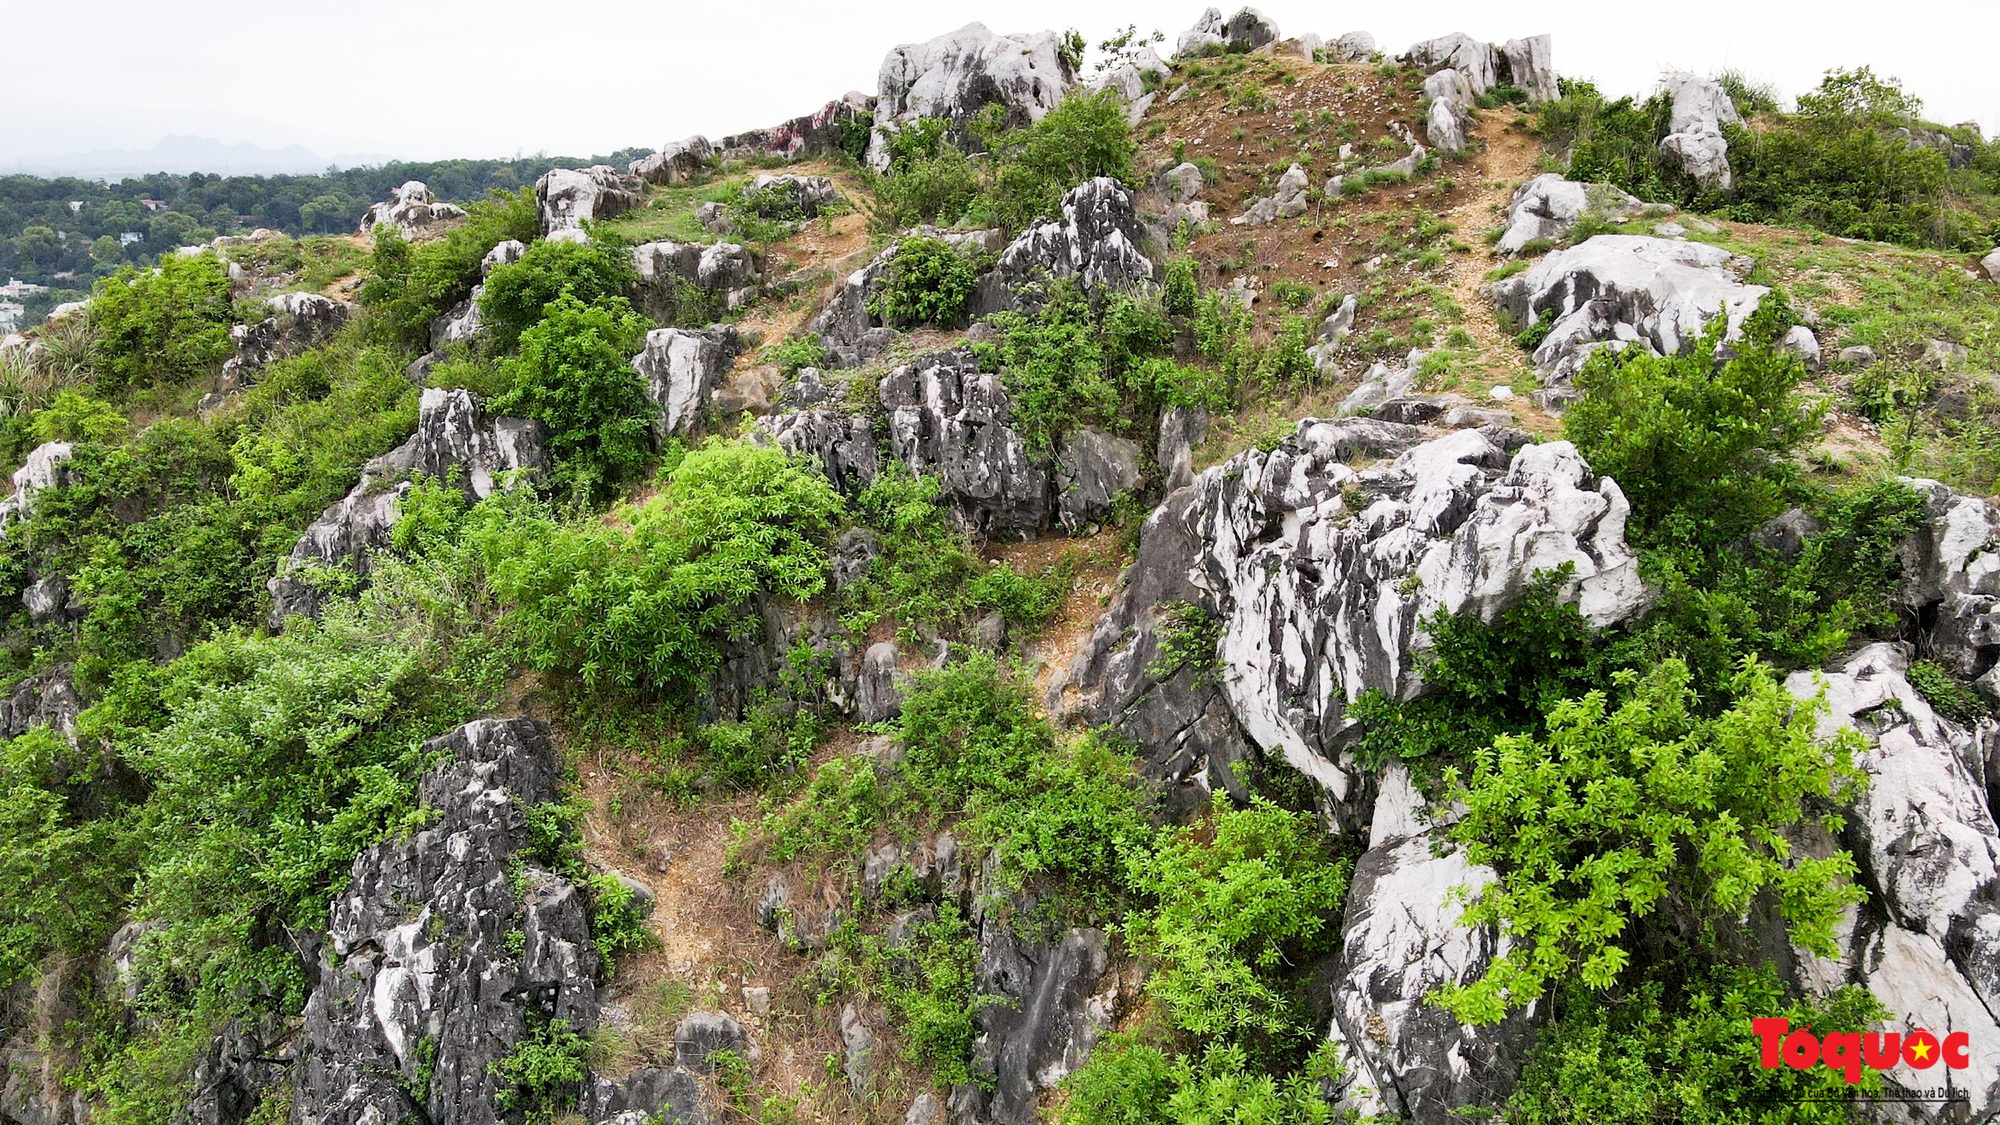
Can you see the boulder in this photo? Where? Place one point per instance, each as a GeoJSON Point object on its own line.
{"type": "Point", "coordinates": [1380, 384]}
{"type": "Point", "coordinates": [789, 196]}
{"type": "Point", "coordinates": [1049, 1016]}
{"type": "Point", "coordinates": [701, 1035]}
{"type": "Point", "coordinates": [674, 163]}
{"type": "Point", "coordinates": [650, 1095]}
{"type": "Point", "coordinates": [1130, 78]}
{"type": "Point", "coordinates": [446, 946]}
{"type": "Point", "coordinates": [1529, 66]}
{"type": "Point", "coordinates": [1288, 202]}
{"type": "Point", "coordinates": [1449, 110]}
{"type": "Point", "coordinates": [1353, 47]}
{"type": "Point", "coordinates": [1800, 341]}
{"type": "Point", "coordinates": [1460, 52]}
{"type": "Point", "coordinates": [455, 440]}
{"type": "Point", "coordinates": [1991, 264]}
{"type": "Point", "coordinates": [1181, 183]}
{"type": "Point", "coordinates": [409, 209]}
{"type": "Point", "coordinates": [956, 75]}
{"type": "Point", "coordinates": [1247, 30]}
{"type": "Point", "coordinates": [570, 197]}
{"type": "Point", "coordinates": [1951, 584]}
{"type": "Point", "coordinates": [1619, 291]}
{"type": "Point", "coordinates": [833, 127]}
{"type": "Point", "coordinates": [1093, 469]}
{"type": "Point", "coordinates": [948, 420]}
{"type": "Point", "coordinates": [1548, 207]}
{"type": "Point", "coordinates": [1400, 940]}
{"type": "Point", "coordinates": [858, 1044]}
{"type": "Point", "coordinates": [1095, 243]}
{"type": "Point", "coordinates": [1694, 142]}
{"type": "Point", "coordinates": [1317, 577]}
{"type": "Point", "coordinates": [841, 445]}
{"type": "Point", "coordinates": [1181, 429]}
{"type": "Point", "coordinates": [1927, 943]}
{"type": "Point", "coordinates": [724, 271]}
{"type": "Point", "coordinates": [43, 468]}
{"type": "Point", "coordinates": [298, 321]}
{"type": "Point", "coordinates": [47, 698]}
{"type": "Point", "coordinates": [682, 368]}
{"type": "Point", "coordinates": [877, 698]}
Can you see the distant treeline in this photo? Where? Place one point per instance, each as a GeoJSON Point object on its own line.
{"type": "Point", "coordinates": [51, 229]}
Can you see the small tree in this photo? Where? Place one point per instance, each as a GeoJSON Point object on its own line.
{"type": "Point", "coordinates": [575, 376]}
{"type": "Point", "coordinates": [517, 294]}
{"type": "Point", "coordinates": [164, 327]}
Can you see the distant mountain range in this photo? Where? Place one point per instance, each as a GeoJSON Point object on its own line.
{"type": "Point", "coordinates": [180, 154]}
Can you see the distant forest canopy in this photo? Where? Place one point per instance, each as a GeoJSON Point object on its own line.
{"type": "Point", "coordinates": [66, 233]}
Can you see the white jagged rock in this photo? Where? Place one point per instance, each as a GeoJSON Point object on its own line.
{"type": "Point", "coordinates": [1287, 202]}
{"type": "Point", "coordinates": [1694, 140]}
{"type": "Point", "coordinates": [1924, 836]}
{"type": "Point", "coordinates": [676, 162]}
{"type": "Point", "coordinates": [42, 468]}
{"type": "Point", "coordinates": [409, 209]}
{"type": "Point", "coordinates": [1548, 207]}
{"type": "Point", "coordinates": [1991, 264]}
{"type": "Point", "coordinates": [956, 75]}
{"type": "Point", "coordinates": [682, 368]}
{"type": "Point", "coordinates": [570, 197]}
{"type": "Point", "coordinates": [1095, 243]}
{"type": "Point", "coordinates": [1247, 30]}
{"type": "Point", "coordinates": [1620, 290]}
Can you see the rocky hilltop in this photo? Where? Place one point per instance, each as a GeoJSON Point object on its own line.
{"type": "Point", "coordinates": [1290, 580]}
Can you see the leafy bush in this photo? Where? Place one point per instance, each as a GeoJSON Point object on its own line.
{"type": "Point", "coordinates": [1239, 902]}
{"type": "Point", "coordinates": [929, 179]}
{"type": "Point", "coordinates": [617, 923]}
{"type": "Point", "coordinates": [929, 282]}
{"type": "Point", "coordinates": [518, 294]}
{"type": "Point", "coordinates": [410, 285]}
{"type": "Point", "coordinates": [1084, 137]}
{"type": "Point", "coordinates": [1679, 1051]}
{"type": "Point", "coordinates": [796, 352]}
{"type": "Point", "coordinates": [644, 605]}
{"type": "Point", "coordinates": [1645, 812]}
{"type": "Point", "coordinates": [1128, 1083]}
{"type": "Point", "coordinates": [574, 375]}
{"type": "Point", "coordinates": [543, 1075]}
{"type": "Point", "coordinates": [929, 986]}
{"type": "Point", "coordinates": [161, 328]}
{"type": "Point", "coordinates": [64, 868]}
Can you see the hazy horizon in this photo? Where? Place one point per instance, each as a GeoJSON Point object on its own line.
{"type": "Point", "coordinates": [455, 87]}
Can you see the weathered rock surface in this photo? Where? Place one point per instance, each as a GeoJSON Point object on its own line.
{"type": "Point", "coordinates": [1548, 207]}
{"type": "Point", "coordinates": [1051, 1016]}
{"type": "Point", "coordinates": [42, 468]}
{"type": "Point", "coordinates": [650, 1095]}
{"type": "Point", "coordinates": [1093, 469]}
{"type": "Point", "coordinates": [956, 75]}
{"type": "Point", "coordinates": [675, 163]}
{"type": "Point", "coordinates": [409, 209]}
{"type": "Point", "coordinates": [725, 270]}
{"type": "Point", "coordinates": [702, 1035]}
{"type": "Point", "coordinates": [462, 324]}
{"type": "Point", "coordinates": [1318, 575]}
{"type": "Point", "coordinates": [789, 197]}
{"type": "Point", "coordinates": [877, 698]}
{"type": "Point", "coordinates": [1951, 588]}
{"type": "Point", "coordinates": [1247, 30]}
{"type": "Point", "coordinates": [819, 133]}
{"type": "Point", "coordinates": [1287, 202]}
{"type": "Point", "coordinates": [1694, 140]}
{"type": "Point", "coordinates": [1461, 68]}
{"type": "Point", "coordinates": [849, 330]}
{"type": "Point", "coordinates": [1130, 79]}
{"type": "Point", "coordinates": [1927, 943]}
{"type": "Point", "coordinates": [46, 698]}
{"type": "Point", "coordinates": [682, 368]}
{"type": "Point", "coordinates": [1619, 291]}
{"type": "Point", "coordinates": [1401, 940]}
{"type": "Point", "coordinates": [298, 321]}
{"type": "Point", "coordinates": [447, 948]}
{"type": "Point", "coordinates": [1352, 46]}
{"type": "Point", "coordinates": [949, 420]}
{"type": "Point", "coordinates": [570, 197]}
{"type": "Point", "coordinates": [1096, 243]}
{"type": "Point", "coordinates": [1991, 264]}
{"type": "Point", "coordinates": [842, 445]}
{"type": "Point", "coordinates": [455, 440]}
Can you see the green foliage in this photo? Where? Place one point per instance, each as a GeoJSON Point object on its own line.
{"type": "Point", "coordinates": [617, 922]}
{"type": "Point", "coordinates": [1084, 137]}
{"type": "Point", "coordinates": [64, 863]}
{"type": "Point", "coordinates": [1947, 694]}
{"type": "Point", "coordinates": [574, 375]}
{"type": "Point", "coordinates": [544, 1073]}
{"type": "Point", "coordinates": [1178, 291]}
{"type": "Point", "coordinates": [518, 294]}
{"type": "Point", "coordinates": [930, 988]}
{"type": "Point", "coordinates": [1125, 1082]}
{"type": "Point", "coordinates": [1704, 444]}
{"type": "Point", "coordinates": [1238, 903]}
{"type": "Point", "coordinates": [796, 352]}
{"type": "Point", "coordinates": [929, 282]}
{"type": "Point", "coordinates": [643, 604]}
{"type": "Point", "coordinates": [930, 180]}
{"type": "Point", "coordinates": [1642, 813]}
{"type": "Point", "coordinates": [409, 285]}
{"type": "Point", "coordinates": [1189, 637]}
{"type": "Point", "coordinates": [1681, 1051]}
{"type": "Point", "coordinates": [162, 328]}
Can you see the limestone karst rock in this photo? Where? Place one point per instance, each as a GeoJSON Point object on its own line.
{"type": "Point", "coordinates": [676, 162]}
{"type": "Point", "coordinates": [1548, 207]}
{"type": "Point", "coordinates": [570, 197]}
{"type": "Point", "coordinates": [682, 368]}
{"type": "Point", "coordinates": [1694, 140]}
{"type": "Point", "coordinates": [955, 75]}
{"type": "Point", "coordinates": [298, 321]}
{"type": "Point", "coordinates": [409, 209]}
{"type": "Point", "coordinates": [1247, 30]}
{"type": "Point", "coordinates": [1095, 243]}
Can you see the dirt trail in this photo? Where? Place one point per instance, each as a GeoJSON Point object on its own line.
{"type": "Point", "coordinates": [1507, 159]}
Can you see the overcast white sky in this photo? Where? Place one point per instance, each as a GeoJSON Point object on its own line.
{"type": "Point", "coordinates": [440, 78]}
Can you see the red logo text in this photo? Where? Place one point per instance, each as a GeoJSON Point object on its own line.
{"type": "Point", "coordinates": [1849, 1051]}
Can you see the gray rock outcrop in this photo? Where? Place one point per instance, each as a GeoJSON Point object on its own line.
{"type": "Point", "coordinates": [1461, 68]}
{"type": "Point", "coordinates": [456, 440]}
{"type": "Point", "coordinates": [570, 197]}
{"type": "Point", "coordinates": [820, 133]}
{"type": "Point", "coordinates": [1352, 47]}
{"type": "Point", "coordinates": [1620, 291]}
{"type": "Point", "coordinates": [1094, 469]}
{"type": "Point", "coordinates": [447, 948]}
{"type": "Point", "coordinates": [1095, 243]}
{"type": "Point", "coordinates": [46, 698]}
{"type": "Point", "coordinates": [462, 324]}
{"type": "Point", "coordinates": [409, 209]}
{"type": "Point", "coordinates": [1288, 201]}
{"type": "Point", "coordinates": [956, 75]}
{"type": "Point", "coordinates": [44, 467]}
{"type": "Point", "coordinates": [682, 369]}
{"type": "Point", "coordinates": [1548, 207]}
{"type": "Point", "coordinates": [850, 331]}
{"type": "Point", "coordinates": [949, 420]}
{"type": "Point", "coordinates": [1247, 30]}
{"type": "Point", "coordinates": [1951, 587]}
{"type": "Point", "coordinates": [675, 163]}
{"type": "Point", "coordinates": [1694, 142]}
{"type": "Point", "coordinates": [298, 321]}
{"type": "Point", "coordinates": [789, 197]}
{"type": "Point", "coordinates": [1050, 1016]}
{"type": "Point", "coordinates": [1317, 577]}
{"type": "Point", "coordinates": [726, 271]}
{"type": "Point", "coordinates": [1991, 264]}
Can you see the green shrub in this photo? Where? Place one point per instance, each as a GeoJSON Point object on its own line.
{"type": "Point", "coordinates": [929, 179]}
{"type": "Point", "coordinates": [1084, 137]}
{"type": "Point", "coordinates": [1642, 813]}
{"type": "Point", "coordinates": [574, 375]}
{"type": "Point", "coordinates": [544, 1073]}
{"type": "Point", "coordinates": [64, 871]}
{"type": "Point", "coordinates": [929, 282]}
{"type": "Point", "coordinates": [1125, 1082]}
{"type": "Point", "coordinates": [518, 294]}
{"type": "Point", "coordinates": [930, 988]}
{"type": "Point", "coordinates": [162, 328]}
{"type": "Point", "coordinates": [617, 923]}
{"type": "Point", "coordinates": [1238, 903]}
{"type": "Point", "coordinates": [1947, 694]}
{"type": "Point", "coordinates": [796, 352]}
{"type": "Point", "coordinates": [1178, 290]}
{"type": "Point", "coordinates": [410, 285]}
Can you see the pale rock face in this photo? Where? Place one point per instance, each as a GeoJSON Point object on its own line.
{"type": "Point", "coordinates": [1093, 469]}
{"type": "Point", "coordinates": [417, 974]}
{"type": "Point", "coordinates": [298, 321]}
{"type": "Point", "coordinates": [1694, 139]}
{"type": "Point", "coordinates": [1618, 290]}
{"type": "Point", "coordinates": [1380, 384]}
{"type": "Point", "coordinates": [409, 209]}
{"type": "Point", "coordinates": [1800, 341]}
{"type": "Point", "coordinates": [1096, 243]}
{"type": "Point", "coordinates": [570, 197]}
{"type": "Point", "coordinates": [1991, 264]}
{"type": "Point", "coordinates": [954, 75]}
{"type": "Point", "coordinates": [1288, 202]}
{"type": "Point", "coordinates": [815, 134]}
{"type": "Point", "coordinates": [1400, 940]}
{"type": "Point", "coordinates": [674, 163]}
{"type": "Point", "coordinates": [1952, 584]}
{"type": "Point", "coordinates": [1923, 833]}
{"type": "Point", "coordinates": [725, 269]}
{"type": "Point", "coordinates": [42, 468]}
{"type": "Point", "coordinates": [1181, 183]}
{"type": "Point", "coordinates": [1247, 30]}
{"type": "Point", "coordinates": [1354, 46]}
{"type": "Point", "coordinates": [1458, 51]}
{"type": "Point", "coordinates": [1548, 207]}
{"type": "Point", "coordinates": [455, 439]}
{"type": "Point", "coordinates": [948, 420]}
{"type": "Point", "coordinates": [1320, 575]}
{"type": "Point", "coordinates": [790, 196]}
{"type": "Point", "coordinates": [1529, 64]}
{"type": "Point", "coordinates": [682, 370]}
